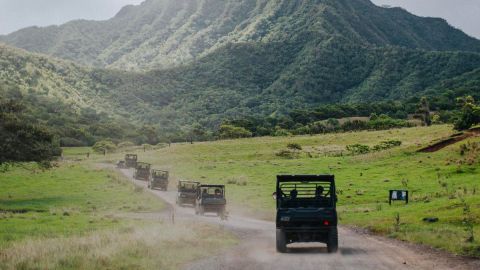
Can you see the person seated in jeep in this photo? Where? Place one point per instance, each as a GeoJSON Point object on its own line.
{"type": "Point", "coordinates": [293, 194]}
{"type": "Point", "coordinates": [218, 193]}
{"type": "Point", "coordinates": [319, 193]}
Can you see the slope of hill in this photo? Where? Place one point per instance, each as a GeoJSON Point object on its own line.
{"type": "Point", "coordinates": [62, 96]}
{"type": "Point", "coordinates": [238, 80]}
{"type": "Point", "coordinates": [206, 61]}
{"type": "Point", "coordinates": [166, 33]}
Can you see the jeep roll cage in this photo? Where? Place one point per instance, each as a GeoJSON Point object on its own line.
{"type": "Point", "coordinates": [295, 191]}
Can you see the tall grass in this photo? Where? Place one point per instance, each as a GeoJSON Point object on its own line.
{"type": "Point", "coordinates": [158, 246]}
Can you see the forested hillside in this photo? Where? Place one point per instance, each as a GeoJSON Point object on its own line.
{"type": "Point", "coordinates": [166, 33]}
{"type": "Point", "coordinates": [203, 63]}
{"type": "Point", "coordinates": [62, 96]}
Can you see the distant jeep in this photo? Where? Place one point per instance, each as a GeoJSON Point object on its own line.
{"type": "Point", "coordinates": [211, 199]}
{"type": "Point", "coordinates": [187, 192]}
{"type": "Point", "coordinates": [306, 210]}
{"type": "Point", "coordinates": [159, 179]}
{"type": "Point", "coordinates": [142, 171]}
{"type": "Point", "coordinates": [131, 160]}
{"type": "Point", "coordinates": [121, 164]}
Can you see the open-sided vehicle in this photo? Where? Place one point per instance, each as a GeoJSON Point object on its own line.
{"type": "Point", "coordinates": [211, 199]}
{"type": "Point", "coordinates": [158, 179]}
{"type": "Point", "coordinates": [142, 171]}
{"type": "Point", "coordinates": [187, 192]}
{"type": "Point", "coordinates": [131, 160]}
{"type": "Point", "coordinates": [306, 210]}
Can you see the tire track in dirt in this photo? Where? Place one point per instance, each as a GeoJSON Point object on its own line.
{"type": "Point", "coordinates": [356, 250]}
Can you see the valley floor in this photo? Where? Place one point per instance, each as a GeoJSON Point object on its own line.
{"type": "Point", "coordinates": [443, 184]}
{"type": "Point", "coordinates": [357, 250]}
{"type": "Point", "coordinates": [81, 216]}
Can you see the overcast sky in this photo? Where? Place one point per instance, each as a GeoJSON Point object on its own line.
{"type": "Point", "coordinates": [463, 14]}
{"type": "Point", "coordinates": [16, 14]}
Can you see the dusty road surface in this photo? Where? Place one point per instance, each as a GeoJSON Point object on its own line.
{"type": "Point", "coordinates": [356, 250]}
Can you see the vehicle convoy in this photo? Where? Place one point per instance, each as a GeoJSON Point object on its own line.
{"type": "Point", "coordinates": [306, 210]}
{"type": "Point", "coordinates": [142, 171]}
{"type": "Point", "coordinates": [187, 192]}
{"type": "Point", "coordinates": [131, 160]}
{"type": "Point", "coordinates": [211, 199]}
{"type": "Point", "coordinates": [159, 179]}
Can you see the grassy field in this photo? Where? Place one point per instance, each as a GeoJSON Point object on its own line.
{"type": "Point", "coordinates": [443, 184]}
{"type": "Point", "coordinates": [80, 216]}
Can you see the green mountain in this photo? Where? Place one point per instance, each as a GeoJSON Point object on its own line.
{"type": "Point", "coordinates": [201, 62]}
{"type": "Point", "coordinates": [166, 33]}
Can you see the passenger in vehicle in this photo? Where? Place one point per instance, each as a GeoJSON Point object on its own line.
{"type": "Point", "coordinates": [293, 194]}
{"type": "Point", "coordinates": [319, 193]}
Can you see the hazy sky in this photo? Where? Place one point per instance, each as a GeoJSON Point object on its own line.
{"type": "Point", "coordinates": [16, 14]}
{"type": "Point", "coordinates": [463, 14]}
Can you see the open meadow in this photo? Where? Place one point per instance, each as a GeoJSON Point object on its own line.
{"type": "Point", "coordinates": [442, 184]}
{"type": "Point", "coordinates": [83, 216]}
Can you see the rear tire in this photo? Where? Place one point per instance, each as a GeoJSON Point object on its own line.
{"type": "Point", "coordinates": [281, 241]}
{"type": "Point", "coordinates": [332, 245]}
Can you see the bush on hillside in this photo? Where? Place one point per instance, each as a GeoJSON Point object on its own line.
{"type": "Point", "coordinates": [126, 144]}
{"type": "Point", "coordinates": [22, 140]}
{"type": "Point", "coordinates": [104, 146]}
{"type": "Point", "coordinates": [469, 113]}
{"type": "Point", "coordinates": [233, 132]}
{"type": "Point", "coordinates": [358, 149]}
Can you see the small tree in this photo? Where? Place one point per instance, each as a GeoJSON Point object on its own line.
{"type": "Point", "coordinates": [233, 132]}
{"type": "Point", "coordinates": [424, 111]}
{"type": "Point", "coordinates": [104, 146]}
{"type": "Point", "coordinates": [21, 141]}
{"type": "Point", "coordinates": [469, 114]}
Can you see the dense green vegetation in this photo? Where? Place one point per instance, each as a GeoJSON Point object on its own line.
{"type": "Point", "coordinates": [84, 217]}
{"type": "Point", "coordinates": [84, 106]}
{"type": "Point", "coordinates": [209, 65]}
{"type": "Point", "coordinates": [367, 165]}
{"type": "Point", "coordinates": [22, 140]}
{"type": "Point", "coordinates": [469, 115]}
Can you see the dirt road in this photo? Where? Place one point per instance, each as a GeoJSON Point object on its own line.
{"type": "Point", "coordinates": [356, 250]}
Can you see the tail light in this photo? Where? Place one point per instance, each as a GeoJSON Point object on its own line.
{"type": "Point", "coordinates": [326, 223]}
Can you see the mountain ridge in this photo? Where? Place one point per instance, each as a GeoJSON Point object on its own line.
{"type": "Point", "coordinates": [164, 33]}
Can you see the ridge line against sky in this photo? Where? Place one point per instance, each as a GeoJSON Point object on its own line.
{"type": "Point", "coordinates": [18, 14]}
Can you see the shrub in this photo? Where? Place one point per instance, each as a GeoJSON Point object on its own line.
{"type": "Point", "coordinates": [285, 153]}
{"type": "Point", "coordinates": [104, 146]}
{"type": "Point", "coordinates": [387, 145]}
{"type": "Point", "coordinates": [126, 144]}
{"type": "Point", "coordinates": [294, 146]}
{"type": "Point", "coordinates": [358, 149]}
{"type": "Point", "coordinates": [386, 122]}
{"type": "Point", "coordinates": [233, 132]}
{"type": "Point", "coordinates": [280, 132]}
{"type": "Point", "coordinates": [470, 114]}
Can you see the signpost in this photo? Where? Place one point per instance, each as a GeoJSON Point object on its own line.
{"type": "Point", "coordinates": [398, 195]}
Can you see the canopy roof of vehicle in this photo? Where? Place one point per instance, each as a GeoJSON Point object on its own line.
{"type": "Point", "coordinates": [155, 171]}
{"type": "Point", "coordinates": [218, 186]}
{"type": "Point", "coordinates": [306, 178]}
{"type": "Point", "coordinates": [143, 165]}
